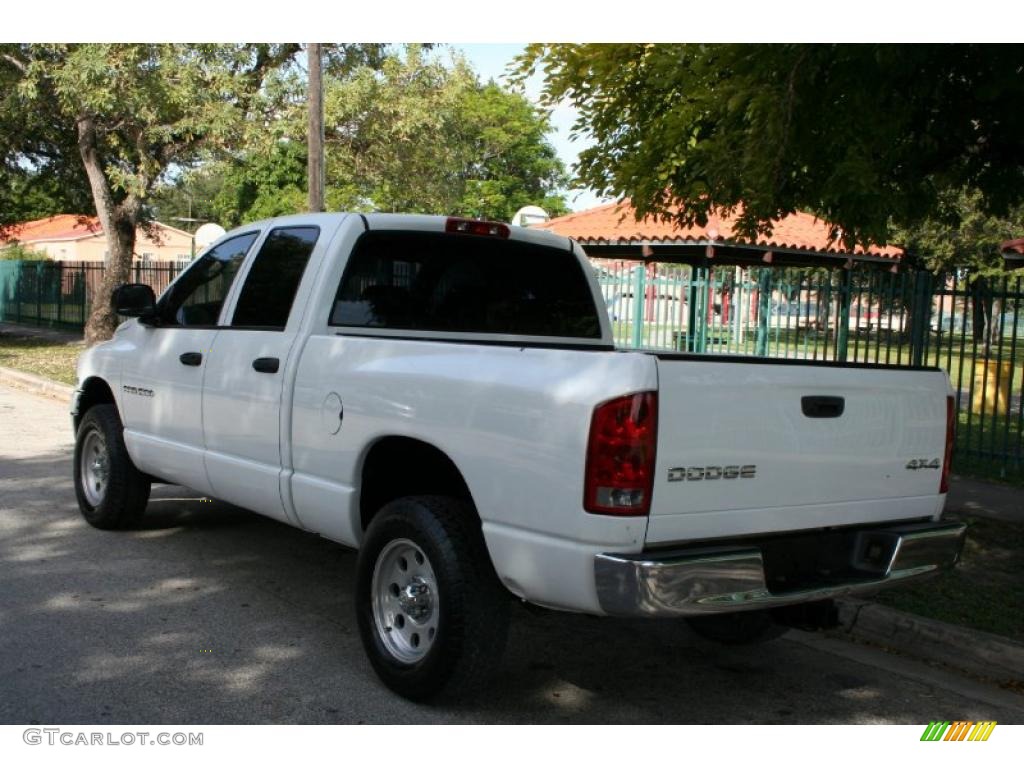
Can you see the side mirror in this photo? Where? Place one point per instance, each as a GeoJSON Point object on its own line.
{"type": "Point", "coordinates": [135, 300]}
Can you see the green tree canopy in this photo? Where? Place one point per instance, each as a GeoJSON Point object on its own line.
{"type": "Point", "coordinates": [863, 135]}
{"type": "Point", "coordinates": [959, 235]}
{"type": "Point", "coordinates": [960, 238]}
{"type": "Point", "coordinates": [422, 137]}
{"type": "Point", "coordinates": [122, 116]}
{"type": "Point", "coordinates": [408, 134]}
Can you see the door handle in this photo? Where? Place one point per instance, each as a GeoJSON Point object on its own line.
{"type": "Point", "coordinates": [191, 358]}
{"type": "Point", "coordinates": [266, 364]}
{"type": "Point", "coordinates": [822, 406]}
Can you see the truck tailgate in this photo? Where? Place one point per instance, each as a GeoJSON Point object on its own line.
{"type": "Point", "coordinates": [746, 447]}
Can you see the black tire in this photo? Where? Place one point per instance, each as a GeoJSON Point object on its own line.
{"type": "Point", "coordinates": [742, 628]}
{"type": "Point", "coordinates": [473, 607]}
{"type": "Point", "coordinates": [122, 499]}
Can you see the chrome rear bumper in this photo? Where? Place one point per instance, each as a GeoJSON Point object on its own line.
{"type": "Point", "coordinates": [728, 579]}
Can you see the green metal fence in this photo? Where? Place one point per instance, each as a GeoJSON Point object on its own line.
{"type": "Point", "coordinates": [59, 294]}
{"type": "Point", "coordinates": [974, 329]}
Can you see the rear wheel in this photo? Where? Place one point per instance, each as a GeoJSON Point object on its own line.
{"type": "Point", "coordinates": [111, 492]}
{"type": "Point", "coordinates": [742, 628]}
{"type": "Point", "coordinates": [432, 614]}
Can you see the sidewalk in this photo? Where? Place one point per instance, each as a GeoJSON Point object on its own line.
{"type": "Point", "coordinates": [985, 499]}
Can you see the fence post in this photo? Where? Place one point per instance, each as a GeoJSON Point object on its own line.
{"type": "Point", "coordinates": [19, 266]}
{"type": "Point", "coordinates": [692, 310]}
{"type": "Point", "coordinates": [843, 321]}
{"type": "Point", "coordinates": [920, 313]}
{"type": "Point", "coordinates": [39, 293]}
{"type": "Point", "coordinates": [639, 291]}
{"type": "Point", "coordinates": [60, 293]}
{"type": "Point", "coordinates": [764, 303]}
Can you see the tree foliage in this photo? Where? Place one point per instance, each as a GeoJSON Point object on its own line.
{"type": "Point", "coordinates": [863, 135]}
{"type": "Point", "coordinates": [960, 238]}
{"type": "Point", "coordinates": [419, 136]}
{"type": "Point", "coordinates": [35, 180]}
{"type": "Point", "coordinates": [122, 116]}
{"type": "Point", "coordinates": [959, 235]}
{"type": "Point", "coordinates": [18, 252]}
{"type": "Point", "coordinates": [407, 133]}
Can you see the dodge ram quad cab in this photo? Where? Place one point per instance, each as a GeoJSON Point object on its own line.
{"type": "Point", "coordinates": [445, 396]}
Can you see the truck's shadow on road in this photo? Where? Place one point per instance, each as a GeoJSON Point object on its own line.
{"type": "Point", "coordinates": [210, 614]}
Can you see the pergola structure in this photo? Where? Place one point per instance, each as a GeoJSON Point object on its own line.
{"type": "Point", "coordinates": [612, 231]}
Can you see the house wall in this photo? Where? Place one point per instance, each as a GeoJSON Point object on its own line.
{"type": "Point", "coordinates": [173, 246]}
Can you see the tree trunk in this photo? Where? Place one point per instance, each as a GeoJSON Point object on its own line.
{"type": "Point", "coordinates": [119, 222]}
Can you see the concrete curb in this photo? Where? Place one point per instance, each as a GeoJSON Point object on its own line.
{"type": "Point", "coordinates": [969, 650]}
{"type": "Point", "coordinates": [36, 384]}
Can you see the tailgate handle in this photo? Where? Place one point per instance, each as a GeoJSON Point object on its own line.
{"type": "Point", "coordinates": [822, 406]}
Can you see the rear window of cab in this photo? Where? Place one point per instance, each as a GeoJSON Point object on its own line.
{"type": "Point", "coordinates": [441, 282]}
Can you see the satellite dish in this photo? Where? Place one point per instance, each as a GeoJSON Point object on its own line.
{"type": "Point", "coordinates": [208, 233]}
{"type": "Point", "coordinates": [530, 214]}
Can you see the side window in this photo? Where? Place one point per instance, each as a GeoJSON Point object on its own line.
{"type": "Point", "coordinates": [270, 287]}
{"type": "Point", "coordinates": [198, 295]}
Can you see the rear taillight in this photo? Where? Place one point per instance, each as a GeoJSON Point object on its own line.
{"type": "Point", "coordinates": [474, 227]}
{"type": "Point", "coordinates": [620, 456]}
{"type": "Point", "coordinates": [950, 432]}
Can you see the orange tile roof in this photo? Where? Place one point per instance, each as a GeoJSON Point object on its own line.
{"type": "Point", "coordinates": [616, 223]}
{"type": "Point", "coordinates": [69, 226]}
{"type": "Point", "coordinates": [1013, 253]}
{"type": "Point", "coordinates": [64, 226]}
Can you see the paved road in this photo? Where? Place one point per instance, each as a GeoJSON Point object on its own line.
{"type": "Point", "coordinates": [213, 615]}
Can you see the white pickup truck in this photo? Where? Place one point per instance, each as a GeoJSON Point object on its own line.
{"type": "Point", "coordinates": [444, 395]}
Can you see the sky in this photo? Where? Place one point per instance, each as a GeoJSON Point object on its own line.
{"type": "Point", "coordinates": [491, 60]}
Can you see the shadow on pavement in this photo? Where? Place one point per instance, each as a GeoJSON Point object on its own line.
{"type": "Point", "coordinates": [210, 614]}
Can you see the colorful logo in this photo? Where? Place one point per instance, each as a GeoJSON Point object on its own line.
{"type": "Point", "coordinates": [959, 730]}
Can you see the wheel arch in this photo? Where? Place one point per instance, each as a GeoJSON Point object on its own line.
{"type": "Point", "coordinates": [394, 466]}
{"type": "Point", "coordinates": [95, 391]}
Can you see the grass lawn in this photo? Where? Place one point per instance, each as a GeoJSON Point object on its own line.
{"type": "Point", "coordinates": [985, 448]}
{"type": "Point", "coordinates": [986, 591]}
{"type": "Point", "coordinates": [52, 359]}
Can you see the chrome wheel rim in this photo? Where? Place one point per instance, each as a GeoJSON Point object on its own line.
{"type": "Point", "coordinates": [405, 601]}
{"type": "Point", "coordinates": [94, 468]}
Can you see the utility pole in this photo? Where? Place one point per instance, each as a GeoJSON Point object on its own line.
{"type": "Point", "coordinates": [315, 166]}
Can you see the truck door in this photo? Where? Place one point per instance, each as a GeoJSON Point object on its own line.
{"type": "Point", "coordinates": [245, 381]}
{"type": "Point", "coordinates": [162, 380]}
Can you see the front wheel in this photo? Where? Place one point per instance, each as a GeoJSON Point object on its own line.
{"type": "Point", "coordinates": [432, 614]}
{"type": "Point", "coordinates": [111, 492]}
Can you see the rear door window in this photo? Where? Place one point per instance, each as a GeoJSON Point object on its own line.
{"type": "Point", "coordinates": [273, 280]}
{"type": "Point", "coordinates": [422, 281]}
